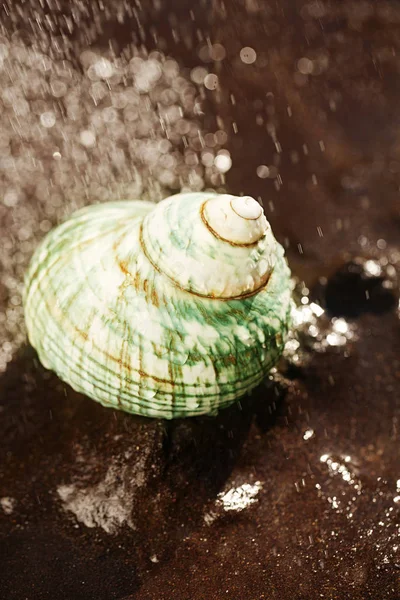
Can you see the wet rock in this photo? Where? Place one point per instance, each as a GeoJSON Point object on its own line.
{"type": "Point", "coordinates": [361, 286]}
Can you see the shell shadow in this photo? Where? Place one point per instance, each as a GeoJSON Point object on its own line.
{"type": "Point", "coordinates": [65, 447]}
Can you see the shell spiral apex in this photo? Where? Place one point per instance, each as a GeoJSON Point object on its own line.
{"type": "Point", "coordinates": [164, 310]}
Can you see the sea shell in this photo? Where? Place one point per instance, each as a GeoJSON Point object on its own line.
{"type": "Point", "coordinates": [164, 310]}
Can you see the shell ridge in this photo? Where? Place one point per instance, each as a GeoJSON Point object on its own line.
{"type": "Point", "coordinates": [113, 324]}
{"type": "Point", "coordinates": [92, 359]}
{"type": "Point", "coordinates": [33, 276]}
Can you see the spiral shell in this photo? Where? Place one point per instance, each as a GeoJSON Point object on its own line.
{"type": "Point", "coordinates": [167, 310]}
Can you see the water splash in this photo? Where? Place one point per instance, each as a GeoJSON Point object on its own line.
{"type": "Point", "coordinates": [75, 134]}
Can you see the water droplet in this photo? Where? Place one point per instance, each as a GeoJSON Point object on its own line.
{"type": "Point", "coordinates": [217, 52]}
{"type": "Point", "coordinates": [223, 162]}
{"type": "Point", "coordinates": [179, 354]}
{"type": "Point", "coordinates": [305, 66]}
{"type": "Point", "coordinates": [10, 198]}
{"type": "Point", "coordinates": [248, 55]}
{"type": "Point", "coordinates": [198, 74]}
{"type": "Point", "coordinates": [104, 68]}
{"type": "Point", "coordinates": [87, 138]}
{"type": "Point", "coordinates": [263, 171]}
{"type": "Point", "coordinates": [211, 81]}
{"type": "Point", "coordinates": [146, 389]}
{"type": "Point", "coordinates": [48, 119]}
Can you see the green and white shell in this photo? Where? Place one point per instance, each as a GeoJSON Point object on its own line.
{"type": "Point", "coordinates": [164, 310]}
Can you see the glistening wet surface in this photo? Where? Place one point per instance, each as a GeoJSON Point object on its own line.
{"type": "Point", "coordinates": [293, 493]}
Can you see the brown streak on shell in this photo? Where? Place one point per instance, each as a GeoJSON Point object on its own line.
{"type": "Point", "coordinates": [137, 281]}
{"type": "Point", "coordinates": [107, 354]}
{"type": "Point", "coordinates": [154, 297]}
{"type": "Point", "coordinates": [209, 296]}
{"type": "Point", "coordinates": [80, 245]}
{"type": "Point", "coordinates": [150, 291]}
{"type": "Point", "coordinates": [124, 267]}
{"type": "Point", "coordinates": [242, 217]}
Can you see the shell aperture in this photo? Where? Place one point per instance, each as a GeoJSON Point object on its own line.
{"type": "Point", "coordinates": [168, 310]}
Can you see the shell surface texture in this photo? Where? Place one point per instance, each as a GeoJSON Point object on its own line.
{"type": "Point", "coordinates": [164, 310]}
